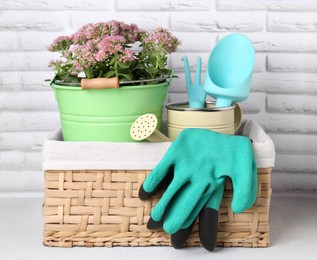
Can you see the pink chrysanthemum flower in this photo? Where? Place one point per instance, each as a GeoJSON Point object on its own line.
{"type": "Point", "coordinates": [61, 43]}
{"type": "Point", "coordinates": [83, 54]}
{"type": "Point", "coordinates": [162, 37]}
{"type": "Point", "coordinates": [100, 49]}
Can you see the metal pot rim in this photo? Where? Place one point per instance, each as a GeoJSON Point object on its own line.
{"type": "Point", "coordinates": [176, 106]}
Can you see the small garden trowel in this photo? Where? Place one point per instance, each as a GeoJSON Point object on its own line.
{"type": "Point", "coordinates": [229, 70]}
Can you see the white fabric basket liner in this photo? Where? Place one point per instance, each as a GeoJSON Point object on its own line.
{"type": "Point", "coordinates": [61, 155]}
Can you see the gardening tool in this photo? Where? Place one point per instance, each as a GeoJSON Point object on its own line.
{"type": "Point", "coordinates": [196, 176]}
{"type": "Point", "coordinates": [196, 93]}
{"type": "Point", "coordinates": [144, 127]}
{"type": "Point", "coordinates": [229, 70]}
{"type": "Point", "coordinates": [102, 83]}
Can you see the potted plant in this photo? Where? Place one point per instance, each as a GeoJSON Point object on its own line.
{"type": "Point", "coordinates": [103, 55]}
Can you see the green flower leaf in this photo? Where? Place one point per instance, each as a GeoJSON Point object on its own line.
{"type": "Point", "coordinates": [109, 74]}
{"type": "Point", "coordinates": [123, 65]}
{"type": "Point", "coordinates": [126, 76]}
{"type": "Point", "coordinates": [151, 70]}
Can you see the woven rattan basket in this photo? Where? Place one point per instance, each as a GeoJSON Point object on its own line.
{"type": "Point", "coordinates": [101, 208]}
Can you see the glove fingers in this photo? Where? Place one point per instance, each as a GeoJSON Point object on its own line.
{"type": "Point", "coordinates": [154, 225]}
{"type": "Point", "coordinates": [208, 225]}
{"type": "Point", "coordinates": [245, 184]}
{"type": "Point", "coordinates": [208, 219]}
{"type": "Point", "coordinates": [183, 204]}
{"type": "Point", "coordinates": [216, 197]}
{"type": "Point", "coordinates": [166, 180]}
{"type": "Point", "coordinates": [162, 206]}
{"type": "Point", "coordinates": [200, 204]}
{"type": "Point", "coordinates": [180, 237]}
{"type": "Point", "coordinates": [209, 201]}
{"type": "Point", "coordinates": [159, 176]}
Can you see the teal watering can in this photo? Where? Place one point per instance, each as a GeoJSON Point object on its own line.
{"type": "Point", "coordinates": [229, 71]}
{"type": "Point", "coordinates": [228, 76]}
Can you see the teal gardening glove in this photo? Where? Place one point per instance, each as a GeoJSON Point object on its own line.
{"type": "Point", "coordinates": [196, 166]}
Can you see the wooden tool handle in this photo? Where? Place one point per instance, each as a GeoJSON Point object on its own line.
{"type": "Point", "coordinates": [99, 83]}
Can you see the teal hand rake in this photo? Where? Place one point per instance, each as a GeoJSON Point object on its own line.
{"type": "Point", "coordinates": [196, 93]}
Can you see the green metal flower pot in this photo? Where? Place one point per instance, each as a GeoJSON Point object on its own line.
{"type": "Point", "coordinates": [107, 114]}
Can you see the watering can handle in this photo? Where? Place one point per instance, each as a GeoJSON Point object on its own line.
{"type": "Point", "coordinates": [100, 83]}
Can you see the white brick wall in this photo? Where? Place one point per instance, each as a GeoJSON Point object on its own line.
{"type": "Point", "coordinates": [284, 88]}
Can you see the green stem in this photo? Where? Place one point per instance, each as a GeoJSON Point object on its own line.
{"type": "Point", "coordinates": [116, 66]}
{"type": "Point", "coordinates": [156, 64]}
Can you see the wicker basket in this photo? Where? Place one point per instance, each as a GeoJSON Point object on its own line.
{"type": "Point", "coordinates": [101, 208]}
